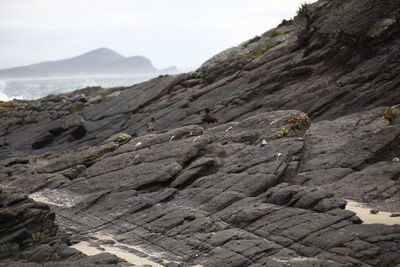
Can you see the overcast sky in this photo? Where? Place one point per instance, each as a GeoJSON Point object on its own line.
{"type": "Point", "coordinates": [184, 33]}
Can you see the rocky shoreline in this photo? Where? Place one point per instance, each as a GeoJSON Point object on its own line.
{"type": "Point", "coordinates": [308, 127]}
{"type": "Point", "coordinates": [220, 197]}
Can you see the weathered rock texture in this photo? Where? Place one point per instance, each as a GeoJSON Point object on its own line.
{"type": "Point", "coordinates": [336, 58]}
{"type": "Point", "coordinates": [305, 123]}
{"type": "Point", "coordinates": [221, 198]}
{"type": "Point", "coordinates": [28, 237]}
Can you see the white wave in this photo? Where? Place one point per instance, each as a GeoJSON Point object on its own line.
{"type": "Point", "coordinates": [3, 96]}
{"type": "Point", "coordinates": [89, 81]}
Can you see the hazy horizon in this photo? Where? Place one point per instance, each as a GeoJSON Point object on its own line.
{"type": "Point", "coordinates": [178, 32]}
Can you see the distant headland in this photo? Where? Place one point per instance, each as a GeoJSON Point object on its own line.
{"type": "Point", "coordinates": [102, 61]}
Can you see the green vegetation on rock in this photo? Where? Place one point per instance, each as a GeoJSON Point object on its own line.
{"type": "Point", "coordinates": [282, 132]}
{"type": "Point", "coordinates": [76, 107]}
{"type": "Point", "coordinates": [252, 40]}
{"type": "Point", "coordinates": [273, 33]}
{"type": "Point", "coordinates": [264, 49]}
{"type": "Point", "coordinates": [303, 9]}
{"type": "Point", "coordinates": [7, 104]}
{"type": "Point", "coordinates": [388, 115]}
{"type": "Point", "coordinates": [335, 4]}
{"type": "Point", "coordinates": [122, 139]}
{"type": "Point", "coordinates": [297, 126]}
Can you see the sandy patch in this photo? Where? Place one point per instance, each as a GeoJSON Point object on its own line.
{"type": "Point", "coordinates": [364, 213]}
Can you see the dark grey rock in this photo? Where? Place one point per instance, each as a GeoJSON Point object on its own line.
{"type": "Point", "coordinates": [265, 187]}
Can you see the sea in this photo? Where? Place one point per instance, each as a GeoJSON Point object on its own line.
{"type": "Point", "coordinates": [30, 89]}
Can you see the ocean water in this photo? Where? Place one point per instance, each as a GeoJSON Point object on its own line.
{"type": "Point", "coordinates": [30, 89]}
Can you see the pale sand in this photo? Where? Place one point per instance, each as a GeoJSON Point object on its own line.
{"type": "Point", "coordinates": [39, 198]}
{"type": "Point", "coordinates": [56, 198]}
{"type": "Point", "coordinates": [297, 259]}
{"type": "Point", "coordinates": [88, 249]}
{"type": "Point", "coordinates": [368, 218]}
{"type": "Point", "coordinates": [101, 236]}
{"type": "Point", "coordinates": [117, 249]}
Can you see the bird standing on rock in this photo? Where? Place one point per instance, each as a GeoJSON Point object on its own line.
{"type": "Point", "coordinates": [207, 117]}
{"type": "Point", "coordinates": [151, 127]}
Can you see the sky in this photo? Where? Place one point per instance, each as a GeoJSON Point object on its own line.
{"type": "Point", "coordinates": [184, 33]}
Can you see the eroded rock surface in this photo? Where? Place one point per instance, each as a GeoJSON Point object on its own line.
{"type": "Point", "coordinates": [221, 197]}
{"type": "Point", "coordinates": [306, 123]}
{"type": "Point", "coordinates": [28, 237]}
{"type": "Point", "coordinates": [335, 58]}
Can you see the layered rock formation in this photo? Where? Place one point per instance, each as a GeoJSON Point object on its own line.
{"type": "Point", "coordinates": [306, 123]}
{"type": "Point", "coordinates": [334, 59]}
{"type": "Point", "coordinates": [222, 198]}
{"type": "Point", "coordinates": [28, 236]}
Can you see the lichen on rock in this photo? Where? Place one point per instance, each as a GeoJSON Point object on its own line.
{"type": "Point", "coordinates": [122, 139]}
{"type": "Point", "coordinates": [296, 126]}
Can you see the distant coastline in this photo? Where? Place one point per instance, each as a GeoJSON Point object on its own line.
{"type": "Point", "coordinates": [98, 62]}
{"type": "Point", "coordinates": [35, 88]}
{"type": "Point", "coordinates": [100, 67]}
{"type": "Point", "coordinates": [81, 77]}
